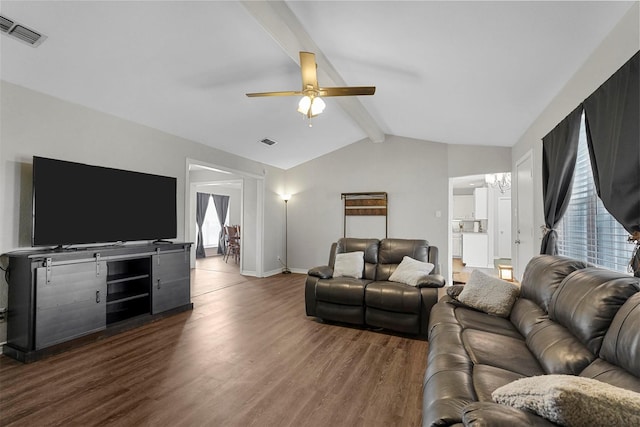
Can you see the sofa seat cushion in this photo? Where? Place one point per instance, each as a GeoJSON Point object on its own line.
{"type": "Point", "coordinates": [471, 319]}
{"type": "Point", "coordinates": [491, 349]}
{"type": "Point", "coordinates": [393, 296]}
{"type": "Point", "coordinates": [341, 290]}
{"type": "Point", "coordinates": [488, 378]}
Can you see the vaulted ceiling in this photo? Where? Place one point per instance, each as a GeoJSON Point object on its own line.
{"type": "Point", "coordinates": [447, 71]}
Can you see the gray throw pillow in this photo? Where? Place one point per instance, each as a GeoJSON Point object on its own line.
{"type": "Point", "coordinates": [349, 264]}
{"type": "Point", "coordinates": [572, 401]}
{"type": "Point", "coordinates": [410, 271]}
{"type": "Point", "coordinates": [489, 294]}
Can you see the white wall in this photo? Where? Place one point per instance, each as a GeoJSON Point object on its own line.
{"type": "Point", "coordinates": [617, 48]}
{"type": "Point", "coordinates": [414, 173]}
{"type": "Point", "coordinates": [38, 124]}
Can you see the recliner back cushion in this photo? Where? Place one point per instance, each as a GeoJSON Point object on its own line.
{"type": "Point", "coordinates": [621, 345]}
{"type": "Point", "coordinates": [587, 301]}
{"type": "Point", "coordinates": [393, 250]}
{"type": "Point", "coordinates": [557, 350]}
{"type": "Point", "coordinates": [370, 249]}
{"type": "Point", "coordinates": [543, 275]}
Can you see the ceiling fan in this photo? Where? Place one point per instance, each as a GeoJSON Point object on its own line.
{"type": "Point", "coordinates": [311, 103]}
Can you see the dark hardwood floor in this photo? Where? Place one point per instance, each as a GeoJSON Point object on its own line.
{"type": "Point", "coordinates": [247, 355]}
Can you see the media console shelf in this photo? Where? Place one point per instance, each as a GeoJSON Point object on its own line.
{"type": "Point", "coordinates": [56, 297]}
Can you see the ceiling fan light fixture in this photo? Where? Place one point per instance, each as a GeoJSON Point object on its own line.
{"type": "Point", "coordinates": [304, 105]}
{"type": "Point", "coordinates": [317, 106]}
{"type": "Point", "coordinates": [311, 106]}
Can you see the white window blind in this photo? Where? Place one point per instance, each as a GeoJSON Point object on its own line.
{"type": "Point", "coordinates": [587, 231]}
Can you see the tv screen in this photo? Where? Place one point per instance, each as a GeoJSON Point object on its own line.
{"type": "Point", "coordinates": [75, 203]}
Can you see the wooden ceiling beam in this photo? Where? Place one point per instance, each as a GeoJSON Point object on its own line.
{"type": "Point", "coordinates": [285, 28]}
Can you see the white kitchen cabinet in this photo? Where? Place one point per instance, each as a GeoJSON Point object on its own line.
{"type": "Point", "coordinates": [475, 249]}
{"type": "Point", "coordinates": [463, 207]}
{"type": "Point", "coordinates": [480, 198]}
{"type": "Point", "coordinates": [457, 245]}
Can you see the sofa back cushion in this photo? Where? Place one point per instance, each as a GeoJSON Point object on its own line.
{"type": "Point", "coordinates": [587, 301]}
{"type": "Point", "coordinates": [621, 345]}
{"type": "Point", "coordinates": [393, 250]}
{"type": "Point", "coordinates": [543, 275]}
{"type": "Point", "coordinates": [368, 246]}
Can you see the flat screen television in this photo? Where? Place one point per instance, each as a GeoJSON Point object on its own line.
{"type": "Point", "coordinates": [75, 203]}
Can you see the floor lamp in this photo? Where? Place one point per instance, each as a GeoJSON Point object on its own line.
{"type": "Point", "coordinates": [286, 270]}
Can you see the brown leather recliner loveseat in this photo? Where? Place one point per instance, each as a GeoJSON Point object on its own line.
{"type": "Point", "coordinates": [570, 319]}
{"type": "Point", "coordinates": [373, 300]}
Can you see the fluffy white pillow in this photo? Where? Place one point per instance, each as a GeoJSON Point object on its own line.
{"type": "Point", "coordinates": [349, 264]}
{"type": "Point", "coordinates": [410, 271]}
{"type": "Point", "coordinates": [572, 401]}
{"type": "Point", "coordinates": [489, 294]}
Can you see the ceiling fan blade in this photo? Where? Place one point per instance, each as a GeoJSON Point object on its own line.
{"type": "Point", "coordinates": [347, 91]}
{"type": "Point", "coordinates": [308, 68]}
{"type": "Point", "coordinates": [284, 93]}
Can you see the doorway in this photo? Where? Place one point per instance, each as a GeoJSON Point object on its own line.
{"type": "Point", "coordinates": [524, 241]}
{"type": "Point", "coordinates": [480, 231]}
{"type": "Point", "coordinates": [212, 230]}
{"type": "Point", "coordinates": [250, 219]}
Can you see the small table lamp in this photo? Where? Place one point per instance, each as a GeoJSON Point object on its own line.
{"type": "Point", "coordinates": [505, 272]}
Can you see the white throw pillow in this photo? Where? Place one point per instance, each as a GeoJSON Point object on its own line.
{"type": "Point", "coordinates": [572, 401]}
{"type": "Point", "coordinates": [410, 271]}
{"type": "Point", "coordinates": [349, 264]}
{"type": "Point", "coordinates": [489, 294]}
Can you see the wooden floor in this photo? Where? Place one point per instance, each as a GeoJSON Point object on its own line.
{"type": "Point", "coordinates": [247, 355]}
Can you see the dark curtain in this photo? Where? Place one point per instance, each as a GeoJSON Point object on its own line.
{"type": "Point", "coordinates": [222, 206]}
{"type": "Point", "coordinates": [202, 201]}
{"type": "Point", "coordinates": [612, 115]}
{"type": "Point", "coordinates": [559, 153]}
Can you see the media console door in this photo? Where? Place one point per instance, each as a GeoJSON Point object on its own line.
{"type": "Point", "coordinates": [171, 283]}
{"type": "Point", "coordinates": [70, 301]}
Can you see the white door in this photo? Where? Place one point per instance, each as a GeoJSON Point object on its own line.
{"type": "Point", "coordinates": [504, 227]}
{"type": "Point", "coordinates": [524, 241]}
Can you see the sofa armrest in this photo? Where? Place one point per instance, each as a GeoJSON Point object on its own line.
{"type": "Point", "coordinates": [323, 272]}
{"type": "Point", "coordinates": [492, 414]}
{"type": "Point", "coordinates": [431, 281]}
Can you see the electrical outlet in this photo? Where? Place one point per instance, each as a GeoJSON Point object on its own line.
{"type": "Point", "coordinates": [3, 314]}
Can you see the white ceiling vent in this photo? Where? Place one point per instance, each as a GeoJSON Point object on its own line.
{"type": "Point", "coordinates": [268, 141]}
{"type": "Point", "coordinates": [20, 32]}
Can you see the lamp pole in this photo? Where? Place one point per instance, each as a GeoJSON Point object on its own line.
{"type": "Point", "coordinates": [286, 235]}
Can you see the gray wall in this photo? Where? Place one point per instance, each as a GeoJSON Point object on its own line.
{"type": "Point", "coordinates": [414, 173]}
{"type": "Point", "coordinates": [38, 124]}
{"type": "Point", "coordinates": [617, 48]}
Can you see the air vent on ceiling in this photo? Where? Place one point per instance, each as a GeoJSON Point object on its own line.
{"type": "Point", "coordinates": [268, 141]}
{"type": "Point", "coordinates": [20, 32]}
{"type": "Point", "coordinates": [5, 24]}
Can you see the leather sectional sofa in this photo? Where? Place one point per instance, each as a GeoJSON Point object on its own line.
{"type": "Point", "coordinates": [570, 319]}
{"type": "Point", "coordinates": [373, 300]}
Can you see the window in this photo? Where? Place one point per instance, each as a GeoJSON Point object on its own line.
{"type": "Point", "coordinates": [587, 231]}
{"type": "Point", "coordinates": [211, 226]}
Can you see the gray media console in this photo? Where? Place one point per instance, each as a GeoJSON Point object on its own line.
{"type": "Point", "coordinates": [56, 297]}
